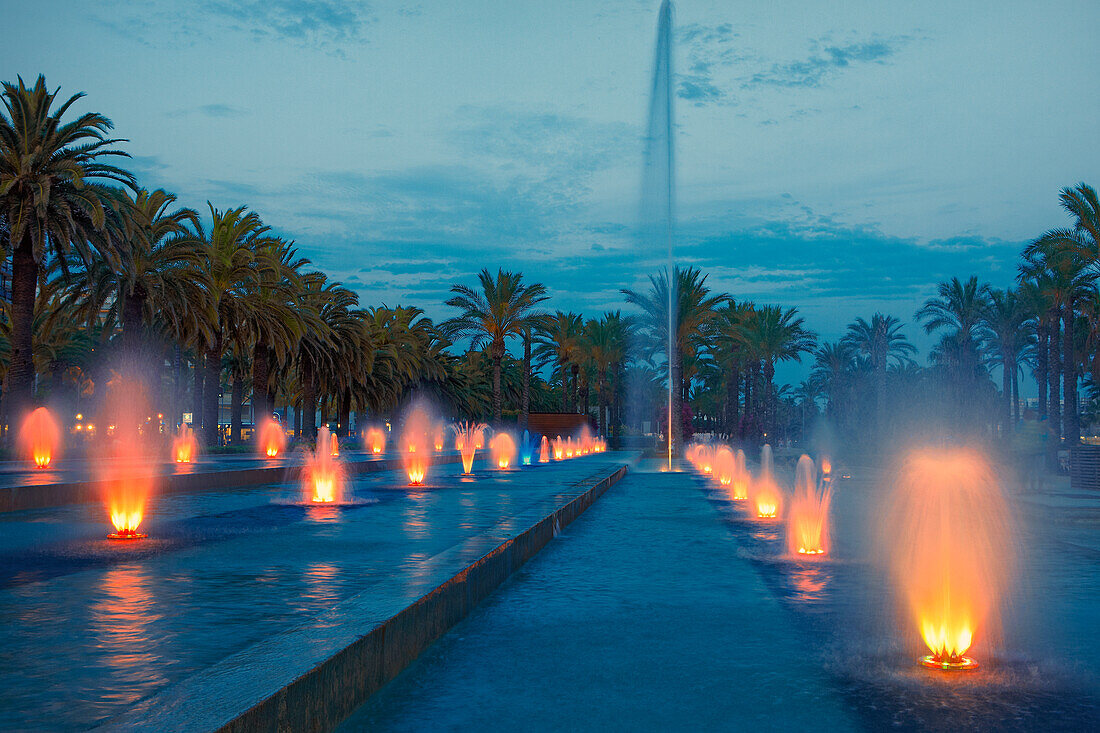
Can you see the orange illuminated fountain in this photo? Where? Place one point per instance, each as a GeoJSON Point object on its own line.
{"type": "Point", "coordinates": [559, 449]}
{"type": "Point", "coordinates": [126, 468]}
{"type": "Point", "coordinates": [184, 445]}
{"type": "Point", "coordinates": [765, 492]}
{"type": "Point", "coordinates": [704, 457]}
{"type": "Point", "coordinates": [948, 538]}
{"type": "Point", "coordinates": [334, 445]}
{"type": "Point", "coordinates": [438, 439]}
{"type": "Point", "coordinates": [322, 474]}
{"type": "Point", "coordinates": [40, 437]}
{"type": "Point", "coordinates": [466, 433]}
{"type": "Point", "coordinates": [272, 438]}
{"type": "Point", "coordinates": [724, 466]}
{"type": "Point", "coordinates": [544, 450]}
{"type": "Point", "coordinates": [376, 441]}
{"type": "Point", "coordinates": [569, 447]}
{"type": "Point", "coordinates": [479, 437]}
{"type": "Point", "coordinates": [503, 450]}
{"type": "Point", "coordinates": [584, 441]}
{"type": "Point", "coordinates": [416, 444]}
{"type": "Point", "coordinates": [739, 488]}
{"type": "Point", "coordinates": [808, 513]}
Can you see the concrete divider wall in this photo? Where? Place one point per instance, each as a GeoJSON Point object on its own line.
{"type": "Point", "coordinates": [42, 496]}
{"type": "Point", "coordinates": [321, 698]}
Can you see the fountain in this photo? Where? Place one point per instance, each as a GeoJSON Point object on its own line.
{"type": "Point", "coordinates": [127, 474]}
{"type": "Point", "coordinates": [184, 445]}
{"type": "Point", "coordinates": [657, 196]}
{"type": "Point", "coordinates": [544, 450]}
{"type": "Point", "coordinates": [40, 437]}
{"type": "Point", "coordinates": [503, 450]}
{"type": "Point", "coordinates": [416, 445]}
{"type": "Point", "coordinates": [947, 535]}
{"type": "Point", "coordinates": [466, 433]}
{"type": "Point", "coordinates": [725, 466]}
{"type": "Point", "coordinates": [559, 449]}
{"type": "Point", "coordinates": [766, 496]}
{"type": "Point", "coordinates": [739, 489]}
{"type": "Point", "coordinates": [438, 439]}
{"type": "Point", "coordinates": [704, 457]}
{"type": "Point", "coordinates": [584, 441]}
{"type": "Point", "coordinates": [375, 441]}
{"type": "Point", "coordinates": [322, 476]}
{"type": "Point", "coordinates": [334, 445]}
{"type": "Point", "coordinates": [526, 449]}
{"type": "Point", "coordinates": [272, 440]}
{"type": "Point", "coordinates": [569, 447]}
{"type": "Point", "coordinates": [808, 513]}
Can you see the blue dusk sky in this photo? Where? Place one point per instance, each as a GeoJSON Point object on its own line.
{"type": "Point", "coordinates": [841, 157]}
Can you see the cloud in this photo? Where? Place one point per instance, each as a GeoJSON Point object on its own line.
{"type": "Point", "coordinates": [706, 47]}
{"type": "Point", "coordinates": [825, 63]}
{"type": "Point", "coordinates": [217, 111]}
{"type": "Point", "coordinates": [303, 22]}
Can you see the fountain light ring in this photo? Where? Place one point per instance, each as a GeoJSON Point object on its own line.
{"type": "Point", "coordinates": [127, 534]}
{"type": "Point", "coordinates": [958, 663]}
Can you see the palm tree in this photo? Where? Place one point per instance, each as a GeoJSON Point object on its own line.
{"type": "Point", "coordinates": [1005, 315]}
{"type": "Point", "coordinates": [777, 335]}
{"type": "Point", "coordinates": [882, 342]}
{"type": "Point", "coordinates": [237, 249]}
{"type": "Point", "coordinates": [557, 342]}
{"type": "Point", "coordinates": [832, 367]}
{"type": "Point", "coordinates": [53, 181]}
{"type": "Point", "coordinates": [500, 308]}
{"type": "Point", "coordinates": [959, 307]}
{"type": "Point", "coordinates": [689, 323]}
{"type": "Point", "coordinates": [1057, 255]}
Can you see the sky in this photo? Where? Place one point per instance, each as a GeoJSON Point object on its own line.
{"type": "Point", "coordinates": [839, 157]}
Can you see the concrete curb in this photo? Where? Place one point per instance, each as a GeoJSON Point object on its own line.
{"type": "Point", "coordinates": [245, 692]}
{"type": "Point", "coordinates": [44, 496]}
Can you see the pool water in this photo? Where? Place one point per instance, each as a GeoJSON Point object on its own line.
{"type": "Point", "coordinates": [665, 607]}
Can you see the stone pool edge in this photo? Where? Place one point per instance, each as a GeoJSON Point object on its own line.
{"type": "Point", "coordinates": [323, 697]}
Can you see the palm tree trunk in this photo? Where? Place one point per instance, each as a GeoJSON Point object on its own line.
{"type": "Point", "coordinates": [1055, 370]}
{"type": "Point", "coordinates": [177, 385]}
{"type": "Point", "coordinates": [199, 376]}
{"type": "Point", "coordinates": [880, 398]}
{"type": "Point", "coordinates": [24, 284]}
{"type": "Point", "coordinates": [133, 328]}
{"type": "Point", "coordinates": [309, 401]}
{"type": "Point", "coordinates": [298, 418]}
{"type": "Point", "coordinates": [601, 401]}
{"type": "Point", "coordinates": [235, 410]}
{"type": "Point", "coordinates": [343, 416]}
{"type": "Point", "coordinates": [575, 403]}
{"type": "Point", "coordinates": [1041, 369]}
{"type": "Point", "coordinates": [1069, 380]}
{"type": "Point", "coordinates": [1006, 388]}
{"type": "Point", "coordinates": [564, 388]}
{"type": "Point", "coordinates": [261, 372]}
{"type": "Point", "coordinates": [1015, 396]}
{"type": "Point", "coordinates": [769, 398]}
{"type": "Point", "coordinates": [496, 389]}
{"type": "Point", "coordinates": [212, 391]}
{"type": "Point", "coordinates": [525, 407]}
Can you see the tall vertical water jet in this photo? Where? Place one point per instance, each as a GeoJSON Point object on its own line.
{"type": "Point", "coordinates": [658, 186]}
{"type": "Point", "coordinates": [947, 535]}
{"type": "Point", "coordinates": [39, 437]}
{"type": "Point", "coordinates": [724, 466]}
{"type": "Point", "coordinates": [808, 512]}
{"type": "Point", "coordinates": [544, 450]}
